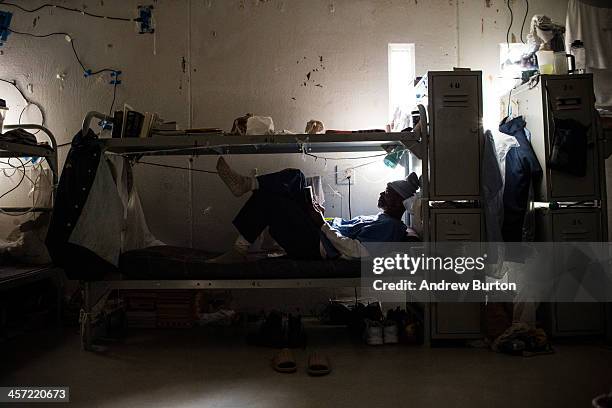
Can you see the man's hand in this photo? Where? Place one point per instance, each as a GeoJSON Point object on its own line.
{"type": "Point", "coordinates": [316, 214]}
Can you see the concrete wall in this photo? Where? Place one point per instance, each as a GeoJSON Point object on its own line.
{"type": "Point", "coordinates": [211, 61]}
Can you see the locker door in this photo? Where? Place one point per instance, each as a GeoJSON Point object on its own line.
{"type": "Point", "coordinates": [455, 170]}
{"type": "Point", "coordinates": [456, 320]}
{"type": "Point", "coordinates": [571, 319]}
{"type": "Point", "coordinates": [572, 99]}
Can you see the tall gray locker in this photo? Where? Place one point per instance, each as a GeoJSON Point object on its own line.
{"type": "Point", "coordinates": [456, 320]}
{"type": "Point", "coordinates": [572, 225]}
{"type": "Point", "coordinates": [563, 97]}
{"type": "Point", "coordinates": [454, 100]}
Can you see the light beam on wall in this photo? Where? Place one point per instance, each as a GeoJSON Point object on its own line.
{"type": "Point", "coordinates": [401, 78]}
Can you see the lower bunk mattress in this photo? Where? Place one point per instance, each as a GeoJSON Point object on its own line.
{"type": "Point", "coordinates": [176, 263]}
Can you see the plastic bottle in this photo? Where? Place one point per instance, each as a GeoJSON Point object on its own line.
{"type": "Point", "coordinates": [577, 50]}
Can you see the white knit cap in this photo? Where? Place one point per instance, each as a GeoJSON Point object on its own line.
{"type": "Point", "coordinates": [406, 188]}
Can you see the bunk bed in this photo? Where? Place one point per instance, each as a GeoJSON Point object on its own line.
{"type": "Point", "coordinates": [14, 275]}
{"type": "Point", "coordinates": [185, 268]}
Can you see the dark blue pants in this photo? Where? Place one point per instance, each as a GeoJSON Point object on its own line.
{"type": "Point", "coordinates": [279, 203]}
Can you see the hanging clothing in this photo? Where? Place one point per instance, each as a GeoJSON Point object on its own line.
{"type": "Point", "coordinates": [316, 182]}
{"type": "Point", "coordinates": [591, 22]}
{"type": "Point", "coordinates": [492, 190]}
{"type": "Point", "coordinates": [522, 170]}
{"type": "Point", "coordinates": [97, 215]}
{"type": "Point", "coordinates": [569, 147]}
{"type": "Point", "coordinates": [593, 26]}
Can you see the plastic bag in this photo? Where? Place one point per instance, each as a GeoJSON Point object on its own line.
{"type": "Point", "coordinates": [260, 125]}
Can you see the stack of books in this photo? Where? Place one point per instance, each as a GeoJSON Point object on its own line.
{"type": "Point", "coordinates": [131, 123]}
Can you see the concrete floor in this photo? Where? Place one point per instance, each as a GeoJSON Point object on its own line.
{"type": "Point", "coordinates": [204, 368]}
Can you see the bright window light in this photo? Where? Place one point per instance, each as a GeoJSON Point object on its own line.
{"type": "Point", "coordinates": [401, 84]}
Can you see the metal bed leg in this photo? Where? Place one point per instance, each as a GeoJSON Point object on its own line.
{"type": "Point", "coordinates": [86, 329]}
{"type": "Point", "coordinates": [59, 299]}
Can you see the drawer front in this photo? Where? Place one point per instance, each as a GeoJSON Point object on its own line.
{"type": "Point", "coordinates": [457, 227]}
{"type": "Point", "coordinates": [576, 227]}
{"type": "Point", "coordinates": [574, 319]}
{"type": "Point", "coordinates": [457, 320]}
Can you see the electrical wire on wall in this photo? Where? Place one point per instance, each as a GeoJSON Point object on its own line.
{"type": "Point", "coordinates": [22, 167]}
{"type": "Point", "coordinates": [509, 25]}
{"type": "Point", "coordinates": [349, 198]}
{"type": "Point", "coordinates": [86, 71]}
{"type": "Point", "coordinates": [524, 20]}
{"type": "Point", "coordinates": [27, 102]}
{"type": "Point", "coordinates": [335, 192]}
{"type": "Point", "coordinates": [71, 9]}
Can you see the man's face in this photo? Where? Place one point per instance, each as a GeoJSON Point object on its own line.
{"type": "Point", "coordinates": [390, 200]}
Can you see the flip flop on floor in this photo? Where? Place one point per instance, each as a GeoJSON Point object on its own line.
{"type": "Point", "coordinates": [318, 365]}
{"type": "Point", "coordinates": [284, 362]}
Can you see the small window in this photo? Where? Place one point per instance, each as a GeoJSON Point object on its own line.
{"type": "Point", "coordinates": [401, 84]}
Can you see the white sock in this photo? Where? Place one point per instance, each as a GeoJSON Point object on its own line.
{"type": "Point", "coordinates": [237, 183]}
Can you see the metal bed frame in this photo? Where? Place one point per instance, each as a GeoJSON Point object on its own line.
{"type": "Point", "coordinates": [15, 276]}
{"type": "Point", "coordinates": [218, 143]}
{"type": "Point", "coordinates": [8, 149]}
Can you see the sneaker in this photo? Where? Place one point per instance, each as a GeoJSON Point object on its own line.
{"type": "Point", "coordinates": [505, 341]}
{"type": "Point", "coordinates": [373, 333]}
{"type": "Point", "coordinates": [390, 332]}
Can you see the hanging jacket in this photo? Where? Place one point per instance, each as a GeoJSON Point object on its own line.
{"type": "Point", "coordinates": [492, 190]}
{"type": "Point", "coordinates": [569, 147]}
{"type": "Point", "coordinates": [78, 176]}
{"type": "Point", "coordinates": [522, 171]}
{"type": "Point", "coordinates": [97, 213]}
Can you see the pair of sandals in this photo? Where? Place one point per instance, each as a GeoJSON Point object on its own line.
{"type": "Point", "coordinates": [284, 362]}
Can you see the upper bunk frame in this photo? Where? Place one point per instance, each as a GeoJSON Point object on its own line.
{"type": "Point", "coordinates": [8, 149]}
{"type": "Point", "coordinates": [221, 143]}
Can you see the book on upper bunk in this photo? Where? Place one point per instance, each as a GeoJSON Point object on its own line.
{"type": "Point", "coordinates": [133, 124]}
{"type": "Point", "coordinates": [117, 124]}
{"type": "Point", "coordinates": [148, 123]}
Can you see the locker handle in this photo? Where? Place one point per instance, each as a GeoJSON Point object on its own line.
{"type": "Point", "coordinates": [575, 231]}
{"type": "Point", "coordinates": [568, 103]}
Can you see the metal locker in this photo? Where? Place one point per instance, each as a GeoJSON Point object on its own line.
{"type": "Point", "coordinates": [456, 320]}
{"type": "Point", "coordinates": [455, 110]}
{"type": "Point", "coordinates": [572, 225]}
{"type": "Point", "coordinates": [563, 97]}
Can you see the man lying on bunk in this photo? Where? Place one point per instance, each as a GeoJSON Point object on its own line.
{"type": "Point", "coordinates": [278, 202]}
